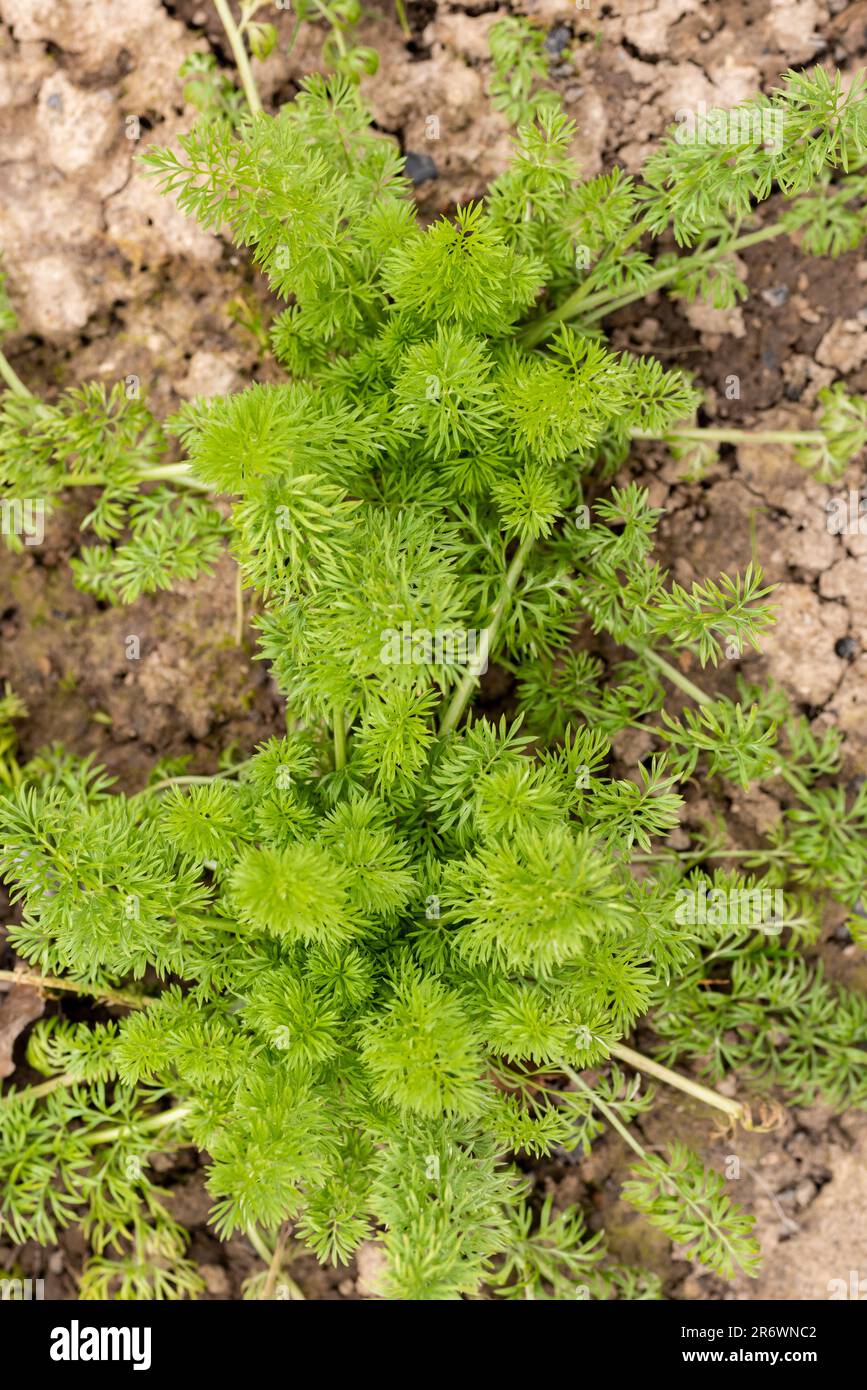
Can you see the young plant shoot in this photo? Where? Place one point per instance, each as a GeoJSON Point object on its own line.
{"type": "Point", "coordinates": [411, 939]}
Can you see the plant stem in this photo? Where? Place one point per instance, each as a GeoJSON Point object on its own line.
{"type": "Point", "coordinates": [462, 694]}
{"type": "Point", "coordinates": [12, 379]}
{"type": "Point", "coordinates": [189, 780]}
{"type": "Point", "coordinates": [672, 272]}
{"type": "Point", "coordinates": [259, 1245]}
{"type": "Point", "coordinates": [272, 1260]}
{"type": "Point", "coordinates": [108, 996]}
{"type": "Point", "coordinates": [702, 698]}
{"type": "Point", "coordinates": [676, 677]}
{"type": "Point", "coordinates": [236, 43]}
{"type": "Point", "coordinates": [174, 472]}
{"type": "Point", "coordinates": [239, 606]}
{"type": "Point", "coordinates": [685, 856]}
{"type": "Point", "coordinates": [609, 1114]}
{"type": "Point", "coordinates": [177, 471]}
{"type": "Point", "coordinates": [275, 1262]}
{"type": "Point", "coordinates": [43, 1089]}
{"type": "Point", "coordinates": [335, 28]}
{"type": "Point", "coordinates": [160, 1120]}
{"type": "Point", "coordinates": [738, 436]}
{"type": "Point", "coordinates": [402, 19]}
{"type": "Point", "coordinates": [602, 303]}
{"type": "Point", "coordinates": [666, 1181]}
{"type": "Point", "coordinates": [339, 739]}
{"type": "Point", "coordinates": [673, 1078]}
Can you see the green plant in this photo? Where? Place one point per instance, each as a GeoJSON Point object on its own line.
{"type": "Point", "coordinates": [404, 939]}
{"type": "Point", "coordinates": [520, 63]}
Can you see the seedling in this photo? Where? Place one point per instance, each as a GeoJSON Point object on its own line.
{"type": "Point", "coordinates": [407, 940]}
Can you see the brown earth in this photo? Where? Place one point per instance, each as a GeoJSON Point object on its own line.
{"type": "Point", "coordinates": [109, 280]}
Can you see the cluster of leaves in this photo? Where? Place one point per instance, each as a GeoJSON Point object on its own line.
{"type": "Point", "coordinates": [520, 62]}
{"type": "Point", "coordinates": [339, 52]}
{"type": "Point", "coordinates": [105, 438]}
{"type": "Point", "coordinates": [390, 942]}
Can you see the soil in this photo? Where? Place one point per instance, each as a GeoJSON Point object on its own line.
{"type": "Point", "coordinates": [109, 280]}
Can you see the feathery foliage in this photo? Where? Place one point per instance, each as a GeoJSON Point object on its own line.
{"type": "Point", "coordinates": [387, 945]}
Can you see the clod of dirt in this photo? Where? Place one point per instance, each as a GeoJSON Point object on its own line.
{"type": "Point", "coordinates": [20, 1007]}
{"type": "Point", "coordinates": [371, 1260]}
{"type": "Point", "coordinates": [847, 580]}
{"type": "Point", "coordinates": [828, 1247]}
{"type": "Point", "coordinates": [799, 649]}
{"type": "Point", "coordinates": [844, 346]}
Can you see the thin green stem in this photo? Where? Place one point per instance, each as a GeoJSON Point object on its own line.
{"type": "Point", "coordinates": [43, 1089]}
{"type": "Point", "coordinates": [242, 61]}
{"type": "Point", "coordinates": [239, 606]}
{"type": "Point", "coordinates": [335, 29]}
{"type": "Point", "coordinates": [667, 1181]}
{"type": "Point", "coordinates": [663, 277]}
{"type": "Point", "coordinates": [108, 996]}
{"type": "Point", "coordinates": [176, 473]}
{"type": "Point", "coordinates": [13, 380]}
{"type": "Point", "coordinates": [676, 677]}
{"type": "Point", "coordinates": [738, 436]}
{"type": "Point", "coordinates": [673, 1078]}
{"type": "Point", "coordinates": [402, 19]}
{"type": "Point", "coordinates": [697, 856]}
{"type": "Point", "coordinates": [702, 698]}
{"type": "Point", "coordinates": [190, 779]}
{"type": "Point", "coordinates": [339, 739]}
{"type": "Point", "coordinates": [160, 1120]}
{"type": "Point", "coordinates": [489, 636]}
{"type": "Point", "coordinates": [604, 1109]}
{"type": "Point", "coordinates": [172, 472]}
{"type": "Point", "coordinates": [596, 306]}
{"type": "Point", "coordinates": [275, 1262]}
{"type": "Point", "coordinates": [273, 1259]}
{"type": "Point", "coordinates": [259, 1245]}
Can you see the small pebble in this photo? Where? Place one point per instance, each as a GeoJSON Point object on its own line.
{"type": "Point", "coordinates": [847, 647]}
{"type": "Point", "coordinates": [776, 296]}
{"type": "Point", "coordinates": [558, 38]}
{"type": "Point", "coordinates": [804, 1193]}
{"type": "Point", "coordinates": [216, 1280]}
{"type": "Point", "coordinates": [420, 168]}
